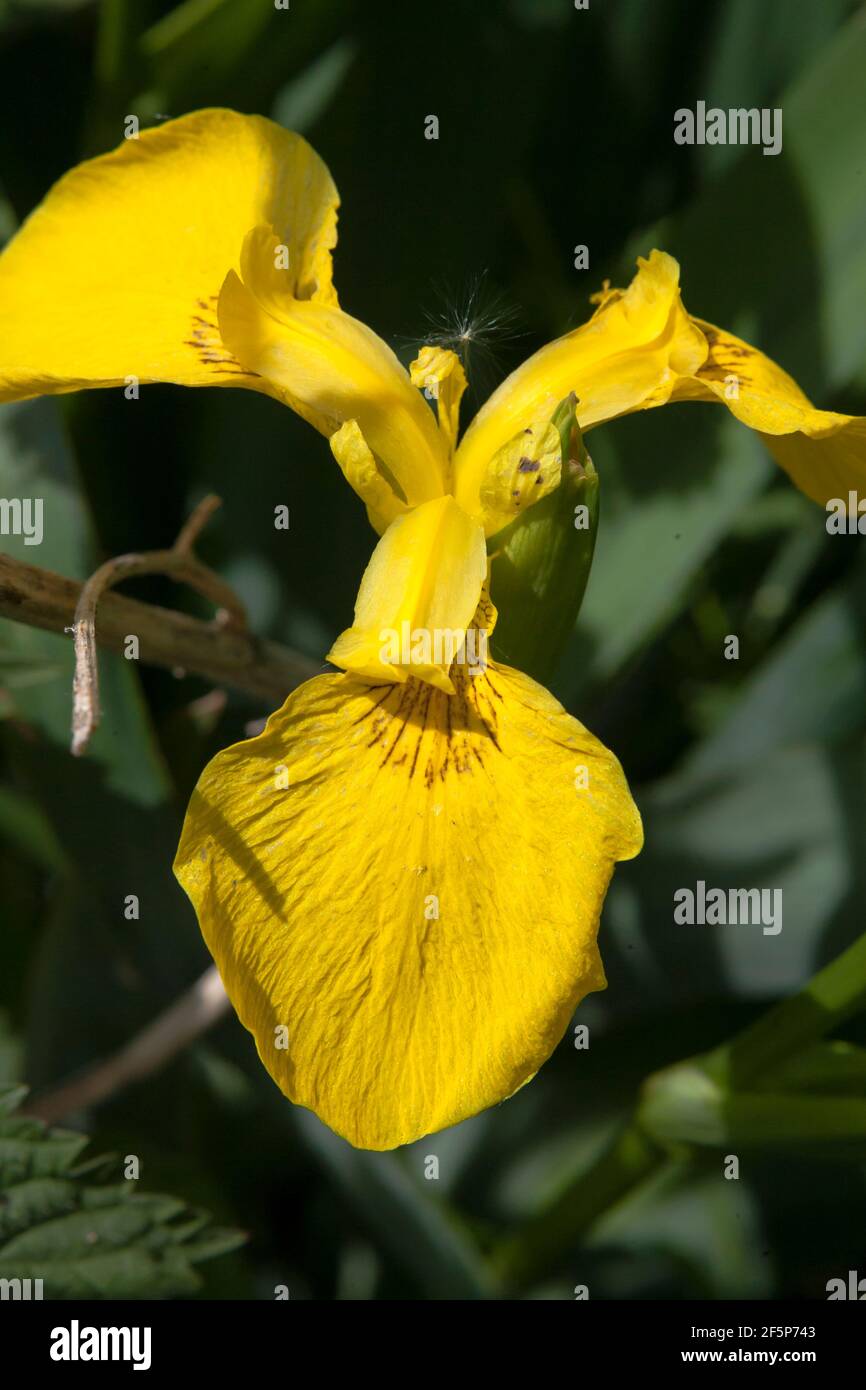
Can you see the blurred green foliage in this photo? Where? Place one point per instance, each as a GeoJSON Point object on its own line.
{"type": "Point", "coordinates": [63, 1222]}
{"type": "Point", "coordinates": [555, 130]}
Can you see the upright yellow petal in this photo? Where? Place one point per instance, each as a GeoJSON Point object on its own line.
{"type": "Point", "coordinates": [402, 891]}
{"type": "Point", "coordinates": [331, 368]}
{"type": "Point", "coordinates": [117, 274]}
{"type": "Point", "coordinates": [417, 598]}
{"type": "Point", "coordinates": [824, 452]}
{"type": "Point", "coordinates": [440, 371]}
{"type": "Point", "coordinates": [627, 357]}
{"type": "Point", "coordinates": [373, 484]}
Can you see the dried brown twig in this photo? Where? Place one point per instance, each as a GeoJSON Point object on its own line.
{"type": "Point", "coordinates": [179, 563]}
{"type": "Point", "coordinates": [222, 651]}
{"type": "Point", "coordinates": [184, 1021]}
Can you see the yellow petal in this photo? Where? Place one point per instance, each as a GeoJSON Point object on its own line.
{"type": "Point", "coordinates": [824, 452]}
{"type": "Point", "coordinates": [402, 890]}
{"type": "Point", "coordinates": [440, 371]}
{"type": "Point", "coordinates": [361, 471]}
{"type": "Point", "coordinates": [641, 349]}
{"type": "Point", "coordinates": [523, 471]}
{"type": "Point", "coordinates": [417, 598]}
{"type": "Point", "coordinates": [117, 274]}
{"type": "Point", "coordinates": [331, 368]}
{"type": "Point", "coordinates": [627, 357]}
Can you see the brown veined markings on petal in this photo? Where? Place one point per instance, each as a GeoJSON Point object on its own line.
{"type": "Point", "coordinates": [205, 338]}
{"type": "Point", "coordinates": [485, 613]}
{"type": "Point", "coordinates": [725, 356]}
{"type": "Point", "coordinates": [421, 729]}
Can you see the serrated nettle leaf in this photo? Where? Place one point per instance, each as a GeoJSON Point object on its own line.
{"type": "Point", "coordinates": [86, 1241]}
{"type": "Point", "coordinates": [37, 1199]}
{"type": "Point", "coordinates": [22, 1158]}
{"type": "Point", "coordinates": [119, 1225]}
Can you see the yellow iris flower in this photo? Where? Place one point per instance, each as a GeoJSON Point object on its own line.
{"type": "Point", "coordinates": [401, 879]}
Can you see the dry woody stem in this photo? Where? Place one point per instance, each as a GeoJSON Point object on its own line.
{"type": "Point", "coordinates": [222, 651]}
{"type": "Point", "coordinates": [179, 563]}
{"type": "Point", "coordinates": [184, 1021]}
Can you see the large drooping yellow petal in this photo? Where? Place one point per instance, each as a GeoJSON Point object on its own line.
{"type": "Point", "coordinates": [417, 598]}
{"type": "Point", "coordinates": [332, 368]}
{"type": "Point", "coordinates": [627, 357]}
{"type": "Point", "coordinates": [117, 274]}
{"type": "Point", "coordinates": [824, 452]}
{"type": "Point", "coordinates": [402, 890]}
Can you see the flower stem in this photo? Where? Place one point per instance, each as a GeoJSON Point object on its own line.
{"type": "Point", "coordinates": [835, 994]}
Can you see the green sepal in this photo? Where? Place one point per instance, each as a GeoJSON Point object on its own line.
{"type": "Point", "coordinates": [541, 562]}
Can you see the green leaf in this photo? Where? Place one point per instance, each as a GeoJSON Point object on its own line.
{"type": "Point", "coordinates": [734, 1094]}
{"type": "Point", "coordinates": [686, 1106]}
{"type": "Point", "coordinates": [755, 51]}
{"type": "Point", "coordinates": [418, 1232]}
{"type": "Point", "coordinates": [794, 282]}
{"type": "Point", "coordinates": [822, 658]}
{"type": "Point", "coordinates": [828, 1068]}
{"type": "Point", "coordinates": [87, 1241]}
{"type": "Point", "coordinates": [23, 825]}
{"type": "Point", "coordinates": [302, 101]}
{"type": "Point", "coordinates": [704, 827]}
{"type": "Point", "coordinates": [672, 493]}
{"type": "Point", "coordinates": [796, 257]}
{"type": "Point", "coordinates": [713, 1226]}
{"type": "Point", "coordinates": [202, 48]}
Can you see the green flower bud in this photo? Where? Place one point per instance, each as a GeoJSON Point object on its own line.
{"type": "Point", "coordinates": [541, 562]}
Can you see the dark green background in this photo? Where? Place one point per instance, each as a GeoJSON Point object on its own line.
{"type": "Point", "coordinates": [556, 128]}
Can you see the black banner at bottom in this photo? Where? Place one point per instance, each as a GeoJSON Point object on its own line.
{"type": "Point", "coordinates": [80, 1339]}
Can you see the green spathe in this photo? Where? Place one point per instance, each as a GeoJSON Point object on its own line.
{"type": "Point", "coordinates": [541, 563]}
